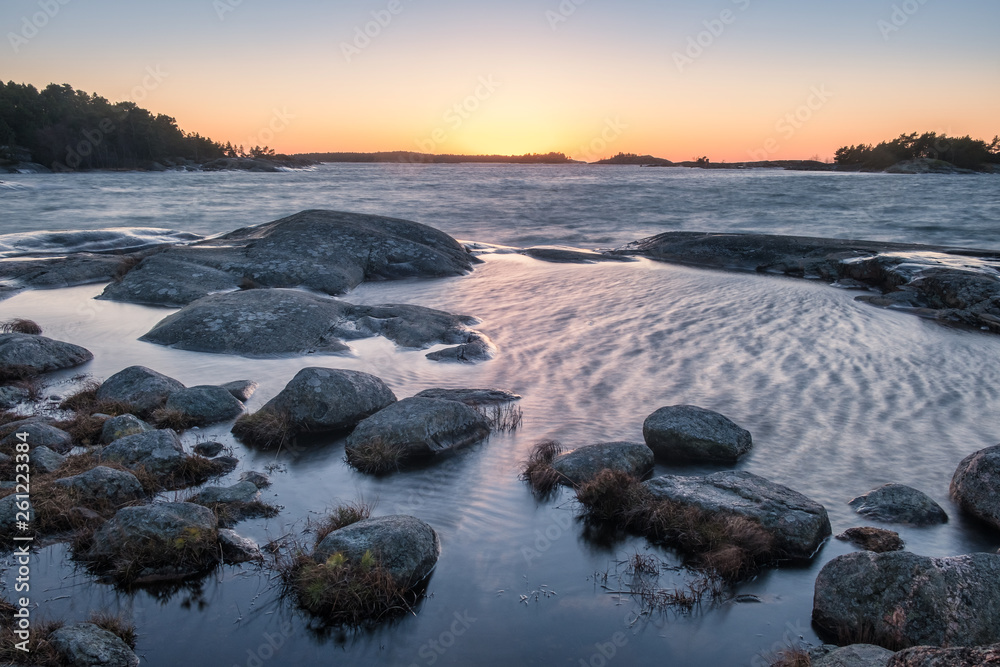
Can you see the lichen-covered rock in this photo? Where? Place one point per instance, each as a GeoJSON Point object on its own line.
{"type": "Point", "coordinates": [421, 427]}
{"type": "Point", "coordinates": [582, 465]}
{"type": "Point", "coordinates": [855, 655]}
{"type": "Point", "coordinates": [326, 399]}
{"type": "Point", "coordinates": [798, 524]}
{"type": "Point", "coordinates": [689, 433]}
{"type": "Point", "coordinates": [902, 599]}
{"type": "Point", "coordinates": [976, 485]}
{"type": "Point", "coordinates": [103, 483]}
{"type": "Point", "coordinates": [405, 546]}
{"type": "Point", "coordinates": [205, 404]}
{"type": "Point", "coordinates": [159, 452]}
{"type": "Point", "coordinates": [86, 645]}
{"type": "Point", "coordinates": [896, 503]}
{"type": "Point", "coordinates": [872, 539]}
{"type": "Point", "coordinates": [40, 434]}
{"type": "Point", "coordinates": [931, 656]}
{"type": "Point", "coordinates": [39, 353]}
{"type": "Point", "coordinates": [121, 426]}
{"type": "Point", "coordinates": [140, 387]}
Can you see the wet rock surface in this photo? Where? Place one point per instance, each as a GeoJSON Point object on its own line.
{"type": "Point", "coordinates": [582, 465]}
{"type": "Point", "coordinates": [897, 503]}
{"type": "Point", "coordinates": [690, 433]}
{"type": "Point", "coordinates": [872, 539]}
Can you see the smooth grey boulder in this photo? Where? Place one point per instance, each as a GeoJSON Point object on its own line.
{"type": "Point", "coordinates": [405, 546]}
{"type": "Point", "coordinates": [583, 464]}
{"type": "Point", "coordinates": [159, 528]}
{"type": "Point", "coordinates": [140, 387]}
{"type": "Point", "coordinates": [237, 549]}
{"type": "Point", "coordinates": [798, 525]}
{"type": "Point", "coordinates": [208, 449]}
{"type": "Point", "coordinates": [897, 503]}
{"type": "Point", "coordinates": [121, 426]}
{"type": "Point", "coordinates": [976, 485]}
{"type": "Point", "coordinates": [40, 354]}
{"type": "Point", "coordinates": [86, 645]}
{"type": "Point", "coordinates": [421, 427]}
{"type": "Point", "coordinates": [242, 492]}
{"type": "Point", "coordinates": [103, 483]}
{"type": "Point", "coordinates": [327, 399]}
{"type": "Point", "coordinates": [241, 390]}
{"type": "Point", "coordinates": [689, 433]}
{"type": "Point", "coordinates": [205, 404]}
{"type": "Point", "coordinates": [324, 251]}
{"type": "Point", "coordinates": [471, 397]}
{"type": "Point", "coordinates": [159, 452]}
{"type": "Point", "coordinates": [902, 599]}
{"type": "Point", "coordinates": [40, 434]}
{"type": "Point", "coordinates": [45, 460]}
{"type": "Point", "coordinates": [855, 655]}
{"type": "Point", "coordinates": [12, 396]}
{"type": "Point", "coordinates": [930, 656]}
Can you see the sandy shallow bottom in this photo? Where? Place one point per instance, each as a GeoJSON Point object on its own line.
{"type": "Point", "coordinates": [840, 398]}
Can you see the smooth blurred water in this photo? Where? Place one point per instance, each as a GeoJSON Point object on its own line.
{"type": "Point", "coordinates": [840, 398]}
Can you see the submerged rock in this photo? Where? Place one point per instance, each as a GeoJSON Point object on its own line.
{"type": "Point", "coordinates": [689, 433]}
{"type": "Point", "coordinates": [405, 546]}
{"type": "Point", "coordinates": [798, 525]}
{"type": "Point", "coordinates": [325, 251]}
{"type": "Point", "coordinates": [205, 404]}
{"type": "Point", "coordinates": [159, 452]}
{"type": "Point", "coordinates": [262, 323]}
{"type": "Point", "coordinates": [582, 465]}
{"type": "Point", "coordinates": [121, 426]}
{"type": "Point", "coordinates": [872, 539]}
{"type": "Point", "coordinates": [140, 387]}
{"type": "Point", "coordinates": [420, 427]}
{"type": "Point", "coordinates": [258, 479]}
{"type": "Point", "coordinates": [902, 599]}
{"type": "Point", "coordinates": [976, 485]}
{"type": "Point", "coordinates": [208, 449]}
{"type": "Point", "coordinates": [471, 397]}
{"type": "Point", "coordinates": [40, 354]}
{"type": "Point", "coordinates": [477, 348]}
{"type": "Point", "coordinates": [40, 434]}
{"type": "Point", "coordinates": [103, 483]}
{"type": "Point", "coordinates": [930, 656]}
{"type": "Point", "coordinates": [896, 503]}
{"type": "Point", "coordinates": [327, 399]}
{"type": "Point", "coordinates": [571, 255]}
{"type": "Point", "coordinates": [86, 645]}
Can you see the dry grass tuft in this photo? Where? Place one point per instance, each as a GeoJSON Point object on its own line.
{"type": "Point", "coordinates": [173, 419]}
{"type": "Point", "coordinates": [17, 373]}
{"type": "Point", "coordinates": [342, 516]}
{"type": "Point", "coordinates": [377, 456]}
{"type": "Point", "coordinates": [147, 560]}
{"type": "Point", "coordinates": [538, 471]}
{"type": "Point", "coordinates": [116, 624]}
{"type": "Point", "coordinates": [503, 418]}
{"type": "Point", "coordinates": [85, 402]}
{"type": "Point", "coordinates": [194, 470]}
{"type": "Point", "coordinates": [230, 514]}
{"type": "Point", "coordinates": [126, 264]}
{"type": "Point", "coordinates": [83, 428]}
{"type": "Point", "coordinates": [265, 429]}
{"type": "Point", "coordinates": [22, 326]}
{"type": "Point", "coordinates": [789, 657]}
{"type": "Point", "coordinates": [40, 651]}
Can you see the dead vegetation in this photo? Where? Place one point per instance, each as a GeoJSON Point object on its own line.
{"type": "Point", "coordinates": [377, 456]}
{"type": "Point", "coordinates": [125, 265]}
{"type": "Point", "coordinates": [22, 326]}
{"type": "Point", "coordinates": [638, 578]}
{"type": "Point", "coordinates": [789, 657]}
{"type": "Point", "coordinates": [84, 402]}
{"type": "Point", "coordinates": [264, 429]}
{"type": "Point", "coordinates": [341, 516]}
{"type": "Point", "coordinates": [538, 472]}
{"type": "Point", "coordinates": [230, 514]}
{"type": "Point", "coordinates": [503, 418]}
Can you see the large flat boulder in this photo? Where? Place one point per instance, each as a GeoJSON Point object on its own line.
{"type": "Point", "coordinates": [897, 503]}
{"type": "Point", "coordinates": [138, 386]}
{"type": "Point", "coordinates": [420, 427]}
{"type": "Point", "coordinates": [690, 433]}
{"type": "Point", "coordinates": [901, 599]}
{"type": "Point", "coordinates": [324, 251]}
{"type": "Point", "coordinates": [405, 546]}
{"type": "Point", "coordinates": [582, 465]}
{"type": "Point", "coordinates": [205, 404]}
{"type": "Point", "coordinates": [103, 483]}
{"type": "Point", "coordinates": [86, 645]}
{"type": "Point", "coordinates": [976, 485]}
{"type": "Point", "coordinates": [798, 524]}
{"type": "Point", "coordinates": [159, 452]}
{"type": "Point", "coordinates": [40, 354]}
{"type": "Point", "coordinates": [275, 322]}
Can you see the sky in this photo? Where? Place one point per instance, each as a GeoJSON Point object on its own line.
{"type": "Point", "coordinates": [727, 79]}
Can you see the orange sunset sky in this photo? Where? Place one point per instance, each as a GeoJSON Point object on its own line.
{"type": "Point", "coordinates": [730, 79]}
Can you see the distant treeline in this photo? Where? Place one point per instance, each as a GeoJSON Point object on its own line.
{"type": "Point", "coordinates": [61, 128]}
{"type": "Point", "coordinates": [411, 157]}
{"type": "Point", "coordinates": [964, 152]}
